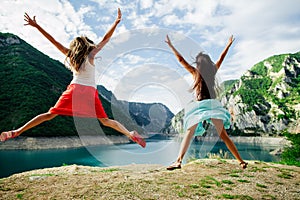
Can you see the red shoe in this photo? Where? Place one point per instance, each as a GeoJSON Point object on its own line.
{"type": "Point", "coordinates": [8, 135]}
{"type": "Point", "coordinates": [138, 139]}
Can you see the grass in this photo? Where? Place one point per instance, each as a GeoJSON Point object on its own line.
{"type": "Point", "coordinates": [180, 194]}
{"type": "Point", "coordinates": [221, 155]}
{"type": "Point", "coordinates": [42, 175]}
{"type": "Point", "coordinates": [230, 196]}
{"type": "Point", "coordinates": [109, 170]}
{"type": "Point", "coordinates": [249, 176]}
{"type": "Point", "coordinates": [236, 171]}
{"type": "Point", "coordinates": [227, 182]}
{"type": "Point", "coordinates": [204, 185]}
{"type": "Point", "coordinates": [209, 181]}
{"type": "Point", "coordinates": [243, 181]}
{"type": "Point", "coordinates": [19, 196]}
{"type": "Point", "coordinates": [268, 197]}
{"type": "Point", "coordinates": [213, 181]}
{"type": "Point", "coordinates": [261, 185]}
{"type": "Point", "coordinates": [285, 175]}
{"type": "Point", "coordinates": [256, 169]}
{"type": "Point", "coordinates": [194, 186]}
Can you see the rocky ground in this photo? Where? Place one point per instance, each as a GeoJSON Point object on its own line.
{"type": "Point", "coordinates": [200, 179]}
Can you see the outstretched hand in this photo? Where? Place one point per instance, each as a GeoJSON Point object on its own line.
{"type": "Point", "coordinates": [31, 22]}
{"type": "Point", "coordinates": [168, 41]}
{"type": "Point", "coordinates": [119, 16]}
{"type": "Point", "coordinates": [231, 39]}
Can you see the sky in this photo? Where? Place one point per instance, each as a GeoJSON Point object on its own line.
{"type": "Point", "coordinates": [137, 65]}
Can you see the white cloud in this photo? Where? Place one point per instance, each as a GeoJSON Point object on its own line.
{"type": "Point", "coordinates": [152, 81]}
{"type": "Point", "coordinates": [56, 17]}
{"type": "Point", "coordinates": [146, 4]}
{"type": "Point", "coordinates": [133, 59]}
{"type": "Point", "coordinates": [267, 26]}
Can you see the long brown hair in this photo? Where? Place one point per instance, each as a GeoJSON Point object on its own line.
{"type": "Point", "coordinates": [80, 48]}
{"type": "Point", "coordinates": [204, 79]}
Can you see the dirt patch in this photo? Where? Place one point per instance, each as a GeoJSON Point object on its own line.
{"type": "Point", "coordinates": [200, 179]}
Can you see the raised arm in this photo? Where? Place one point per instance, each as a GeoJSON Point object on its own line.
{"type": "Point", "coordinates": [107, 36]}
{"type": "Point", "coordinates": [179, 57]}
{"type": "Point", "coordinates": [32, 22]}
{"type": "Point", "coordinates": [223, 54]}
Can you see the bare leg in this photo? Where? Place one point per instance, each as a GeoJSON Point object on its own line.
{"type": "Point", "coordinates": [183, 148]}
{"type": "Point", "coordinates": [230, 145]}
{"type": "Point", "coordinates": [32, 123]}
{"type": "Point", "coordinates": [119, 127]}
{"type": "Point", "coordinates": [36, 121]}
{"type": "Point", "coordinates": [115, 125]}
{"type": "Point", "coordinates": [186, 143]}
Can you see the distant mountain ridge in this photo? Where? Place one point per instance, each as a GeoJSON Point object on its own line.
{"type": "Point", "coordinates": [31, 82]}
{"type": "Point", "coordinates": [153, 117]}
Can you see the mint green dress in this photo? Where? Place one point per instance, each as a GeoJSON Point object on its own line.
{"type": "Point", "coordinates": [198, 111]}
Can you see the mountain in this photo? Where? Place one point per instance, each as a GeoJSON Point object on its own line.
{"type": "Point", "coordinates": [30, 83]}
{"type": "Point", "coordinates": [153, 117]}
{"type": "Point", "coordinates": [264, 101]}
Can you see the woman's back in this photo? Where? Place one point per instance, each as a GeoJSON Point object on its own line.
{"type": "Point", "coordinates": [85, 75]}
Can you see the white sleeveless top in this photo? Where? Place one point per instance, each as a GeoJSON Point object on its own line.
{"type": "Point", "coordinates": [86, 74]}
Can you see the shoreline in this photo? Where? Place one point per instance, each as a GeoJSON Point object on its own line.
{"type": "Point", "coordinates": [252, 139]}
{"type": "Point", "coordinates": [67, 142]}
{"type": "Point", "coordinates": [43, 143]}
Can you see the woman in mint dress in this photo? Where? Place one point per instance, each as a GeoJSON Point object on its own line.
{"type": "Point", "coordinates": [205, 107]}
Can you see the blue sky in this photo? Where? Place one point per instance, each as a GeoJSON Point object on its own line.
{"type": "Point", "coordinates": [137, 64]}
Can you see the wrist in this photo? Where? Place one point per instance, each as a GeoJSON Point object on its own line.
{"type": "Point", "coordinates": [37, 26]}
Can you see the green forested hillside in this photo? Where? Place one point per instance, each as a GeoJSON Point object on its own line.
{"type": "Point", "coordinates": [267, 97]}
{"type": "Point", "coordinates": [265, 81]}
{"type": "Point", "coordinates": [30, 83]}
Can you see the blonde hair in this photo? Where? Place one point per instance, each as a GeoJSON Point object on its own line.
{"type": "Point", "coordinates": [80, 48]}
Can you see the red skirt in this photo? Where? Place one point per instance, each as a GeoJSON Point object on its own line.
{"type": "Point", "coordinates": [80, 101]}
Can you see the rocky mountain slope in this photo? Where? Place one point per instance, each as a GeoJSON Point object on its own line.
{"type": "Point", "coordinates": [266, 99]}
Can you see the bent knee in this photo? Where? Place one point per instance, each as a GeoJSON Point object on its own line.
{"type": "Point", "coordinates": [105, 121]}
{"type": "Point", "coordinates": [47, 116]}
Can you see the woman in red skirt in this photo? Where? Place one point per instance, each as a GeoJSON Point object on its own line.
{"type": "Point", "coordinates": [81, 97]}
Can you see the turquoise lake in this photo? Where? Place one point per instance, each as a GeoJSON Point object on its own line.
{"type": "Point", "coordinates": [158, 151]}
